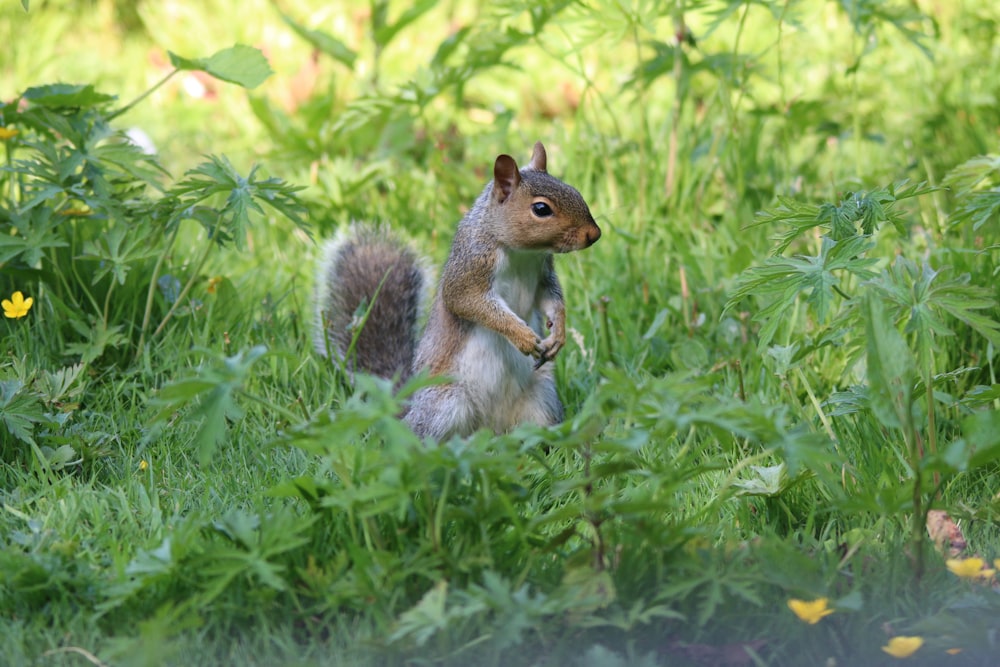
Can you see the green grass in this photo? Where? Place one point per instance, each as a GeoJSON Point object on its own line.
{"type": "Point", "coordinates": [746, 377]}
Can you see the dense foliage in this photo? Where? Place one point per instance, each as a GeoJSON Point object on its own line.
{"type": "Point", "coordinates": [780, 372]}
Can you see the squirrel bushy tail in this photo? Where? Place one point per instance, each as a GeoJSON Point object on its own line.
{"type": "Point", "coordinates": [367, 269]}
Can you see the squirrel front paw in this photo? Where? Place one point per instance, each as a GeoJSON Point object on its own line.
{"type": "Point", "coordinates": [528, 342]}
{"type": "Point", "coordinates": [548, 349]}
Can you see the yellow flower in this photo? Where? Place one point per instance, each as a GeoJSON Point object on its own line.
{"type": "Point", "coordinates": [903, 647]}
{"type": "Point", "coordinates": [17, 306]}
{"type": "Point", "coordinates": [810, 612]}
{"type": "Point", "coordinates": [7, 133]}
{"type": "Point", "coordinates": [212, 282]}
{"type": "Point", "coordinates": [969, 568]}
{"type": "Point", "coordinates": [143, 465]}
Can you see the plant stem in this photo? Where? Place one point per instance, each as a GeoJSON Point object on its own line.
{"type": "Point", "coordinates": [151, 292]}
{"type": "Point", "coordinates": [643, 119]}
{"type": "Point", "coordinates": [107, 300]}
{"type": "Point", "coordinates": [187, 288]}
{"type": "Point", "coordinates": [156, 86]}
{"type": "Point", "coordinates": [284, 412]}
{"type": "Point", "coordinates": [827, 426]}
{"type": "Point", "coordinates": [855, 93]}
{"type": "Point", "coordinates": [785, 126]}
{"type": "Point", "coordinates": [675, 112]}
{"type": "Point", "coordinates": [9, 154]}
{"type": "Point", "coordinates": [931, 420]}
{"type": "Point", "coordinates": [736, 52]}
{"type": "Point", "coordinates": [918, 523]}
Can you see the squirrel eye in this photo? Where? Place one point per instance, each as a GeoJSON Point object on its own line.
{"type": "Point", "coordinates": [541, 209]}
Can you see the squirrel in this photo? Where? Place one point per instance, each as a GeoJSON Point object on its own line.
{"type": "Point", "coordinates": [484, 330]}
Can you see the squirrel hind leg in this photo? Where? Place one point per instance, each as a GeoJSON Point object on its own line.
{"type": "Point", "coordinates": [541, 404]}
{"type": "Point", "coordinates": [442, 411]}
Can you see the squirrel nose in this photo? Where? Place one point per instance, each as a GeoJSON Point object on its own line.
{"type": "Point", "coordinates": [592, 233]}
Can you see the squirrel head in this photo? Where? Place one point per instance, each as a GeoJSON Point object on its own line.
{"type": "Point", "coordinates": [536, 211]}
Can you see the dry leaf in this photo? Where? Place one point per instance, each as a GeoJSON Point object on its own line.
{"type": "Point", "coordinates": [945, 533]}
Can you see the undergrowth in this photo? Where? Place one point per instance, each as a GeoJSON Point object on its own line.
{"type": "Point", "coordinates": [780, 369]}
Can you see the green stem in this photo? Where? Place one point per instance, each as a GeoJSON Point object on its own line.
{"type": "Point", "coordinates": [284, 412]}
{"type": "Point", "coordinates": [931, 419]}
{"type": "Point", "coordinates": [151, 292]}
{"type": "Point", "coordinates": [184, 292]}
{"type": "Point", "coordinates": [81, 283]}
{"type": "Point", "coordinates": [643, 118]}
{"type": "Point", "coordinates": [785, 141]}
{"type": "Point", "coordinates": [675, 112]}
{"type": "Point", "coordinates": [9, 153]}
{"type": "Point", "coordinates": [919, 520]}
{"type": "Point", "coordinates": [827, 426]}
{"type": "Point", "coordinates": [856, 94]}
{"type": "Point", "coordinates": [736, 52]}
{"type": "Point", "coordinates": [107, 300]}
{"type": "Point", "coordinates": [156, 86]}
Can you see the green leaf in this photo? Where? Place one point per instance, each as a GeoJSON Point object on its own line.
{"type": "Point", "coordinates": [62, 95]}
{"type": "Point", "coordinates": [858, 213]}
{"type": "Point", "coordinates": [24, 3]}
{"type": "Point", "coordinates": [982, 432]}
{"type": "Point", "coordinates": [212, 388]}
{"type": "Point", "coordinates": [980, 171]}
{"type": "Point", "coordinates": [384, 32]}
{"type": "Point", "coordinates": [152, 562]}
{"type": "Point", "coordinates": [426, 618]}
{"type": "Point", "coordinates": [923, 298]}
{"type": "Point", "coordinates": [583, 590]}
{"type": "Point", "coordinates": [117, 250]}
{"type": "Point", "coordinates": [326, 43]}
{"type": "Point", "coordinates": [243, 65]}
{"type": "Point", "coordinates": [976, 183]}
{"type": "Point", "coordinates": [239, 526]}
{"type": "Point", "coordinates": [37, 231]}
{"type": "Point", "coordinates": [783, 279]}
{"type": "Point", "coordinates": [658, 321]}
{"type": "Point", "coordinates": [866, 16]}
{"type": "Point", "coordinates": [244, 195]}
{"type": "Point", "coordinates": [891, 368]}
{"type": "Point", "coordinates": [448, 46]}
{"type": "Point", "coordinates": [99, 336]}
{"type": "Point", "coordinates": [767, 481]}
{"type": "Point", "coordinates": [19, 410]}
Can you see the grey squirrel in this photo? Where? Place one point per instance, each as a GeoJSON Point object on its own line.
{"type": "Point", "coordinates": [484, 330]}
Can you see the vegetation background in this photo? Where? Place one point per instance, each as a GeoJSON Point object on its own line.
{"type": "Point", "coordinates": [781, 365]}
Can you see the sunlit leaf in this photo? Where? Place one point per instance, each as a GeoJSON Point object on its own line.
{"type": "Point", "coordinates": [325, 42]}
{"type": "Point", "coordinates": [243, 65]}
{"type": "Point", "coordinates": [66, 95]}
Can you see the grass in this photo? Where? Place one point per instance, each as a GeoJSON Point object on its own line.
{"type": "Point", "coordinates": [781, 353]}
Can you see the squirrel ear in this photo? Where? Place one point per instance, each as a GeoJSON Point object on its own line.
{"type": "Point", "coordinates": [506, 177]}
{"type": "Point", "coordinates": [538, 157]}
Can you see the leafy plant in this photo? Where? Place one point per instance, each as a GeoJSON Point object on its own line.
{"type": "Point", "coordinates": [84, 200]}
{"type": "Point", "coordinates": [898, 316]}
{"type": "Point", "coordinates": [88, 224]}
{"type": "Point", "coordinates": [761, 412]}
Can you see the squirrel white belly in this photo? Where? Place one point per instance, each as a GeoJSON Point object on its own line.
{"type": "Point", "coordinates": [497, 291]}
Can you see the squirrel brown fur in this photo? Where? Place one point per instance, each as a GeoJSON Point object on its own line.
{"type": "Point", "coordinates": [497, 290]}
